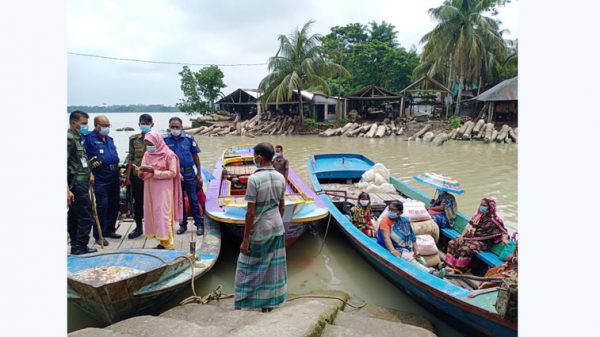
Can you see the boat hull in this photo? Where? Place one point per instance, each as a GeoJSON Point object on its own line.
{"type": "Point", "coordinates": [297, 218]}
{"type": "Point", "coordinates": [452, 300]}
{"type": "Point", "coordinates": [144, 293]}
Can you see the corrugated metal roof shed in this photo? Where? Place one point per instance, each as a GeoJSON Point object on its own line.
{"type": "Point", "coordinates": [506, 90]}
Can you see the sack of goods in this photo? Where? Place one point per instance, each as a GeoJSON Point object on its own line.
{"type": "Point", "coordinates": [432, 260]}
{"type": "Point", "coordinates": [426, 245]}
{"type": "Point", "coordinates": [426, 227]}
{"type": "Point", "coordinates": [376, 180]}
{"type": "Point", "coordinates": [415, 210]}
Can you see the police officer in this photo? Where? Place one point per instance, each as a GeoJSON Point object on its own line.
{"type": "Point", "coordinates": [187, 150]}
{"type": "Point", "coordinates": [137, 148]}
{"type": "Point", "coordinates": [79, 179]}
{"type": "Point", "coordinates": [102, 153]}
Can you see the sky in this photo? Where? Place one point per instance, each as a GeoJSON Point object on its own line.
{"type": "Point", "coordinates": [211, 32]}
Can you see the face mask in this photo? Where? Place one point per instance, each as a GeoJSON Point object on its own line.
{"type": "Point", "coordinates": [145, 128]}
{"type": "Point", "coordinates": [255, 163]}
{"type": "Point", "coordinates": [151, 148]}
{"type": "Point", "coordinates": [83, 129]}
{"type": "Point", "coordinates": [277, 155]}
{"type": "Point", "coordinates": [483, 209]}
{"type": "Point", "coordinates": [175, 133]}
{"type": "Point", "coordinates": [363, 202]}
{"type": "Point", "coordinates": [105, 130]}
{"type": "Point", "coordinates": [392, 215]}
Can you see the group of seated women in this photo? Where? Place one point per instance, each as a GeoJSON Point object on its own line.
{"type": "Point", "coordinates": [396, 234]}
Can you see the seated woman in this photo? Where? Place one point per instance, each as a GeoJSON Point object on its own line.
{"type": "Point", "coordinates": [443, 209]}
{"type": "Point", "coordinates": [360, 215]}
{"type": "Point", "coordinates": [485, 229]}
{"type": "Point", "coordinates": [396, 234]}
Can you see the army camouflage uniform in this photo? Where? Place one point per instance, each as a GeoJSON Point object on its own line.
{"type": "Point", "coordinates": [137, 148]}
{"type": "Point", "coordinates": [79, 217]}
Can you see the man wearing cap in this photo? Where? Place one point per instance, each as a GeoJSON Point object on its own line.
{"type": "Point", "coordinates": [137, 148]}
{"type": "Point", "coordinates": [79, 179]}
{"type": "Point", "coordinates": [104, 159]}
{"type": "Point", "coordinates": [187, 150]}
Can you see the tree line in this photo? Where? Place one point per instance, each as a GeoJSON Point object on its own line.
{"type": "Point", "coordinates": [124, 108]}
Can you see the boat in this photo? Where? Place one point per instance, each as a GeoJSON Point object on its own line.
{"type": "Point", "coordinates": [332, 177]}
{"type": "Point", "coordinates": [113, 285]}
{"type": "Point", "coordinates": [225, 196]}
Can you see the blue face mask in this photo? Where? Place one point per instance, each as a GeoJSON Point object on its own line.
{"type": "Point", "coordinates": [105, 130]}
{"type": "Point", "coordinates": [175, 133]}
{"type": "Point", "coordinates": [277, 155]}
{"type": "Point", "coordinates": [483, 209]}
{"type": "Point", "coordinates": [145, 128]}
{"type": "Point", "coordinates": [255, 163]}
{"type": "Point", "coordinates": [392, 215]}
{"type": "Point", "coordinates": [150, 148]}
{"type": "Point", "coordinates": [83, 129]}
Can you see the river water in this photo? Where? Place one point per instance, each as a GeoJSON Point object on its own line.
{"type": "Point", "coordinates": [482, 169]}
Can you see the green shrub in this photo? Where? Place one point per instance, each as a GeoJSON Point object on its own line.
{"type": "Point", "coordinates": [310, 122]}
{"type": "Point", "coordinates": [455, 122]}
{"type": "Point", "coordinates": [342, 122]}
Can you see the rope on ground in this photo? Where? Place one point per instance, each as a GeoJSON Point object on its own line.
{"type": "Point", "coordinates": [214, 295]}
{"type": "Point", "coordinates": [329, 297]}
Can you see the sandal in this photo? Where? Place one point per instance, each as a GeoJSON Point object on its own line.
{"type": "Point", "coordinates": [442, 273]}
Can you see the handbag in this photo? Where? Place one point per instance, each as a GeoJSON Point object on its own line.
{"type": "Point", "coordinates": [509, 248]}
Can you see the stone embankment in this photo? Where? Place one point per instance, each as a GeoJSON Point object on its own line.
{"type": "Point", "coordinates": [317, 315]}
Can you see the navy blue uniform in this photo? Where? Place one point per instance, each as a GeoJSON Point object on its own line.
{"type": "Point", "coordinates": [185, 147]}
{"type": "Point", "coordinates": [107, 185]}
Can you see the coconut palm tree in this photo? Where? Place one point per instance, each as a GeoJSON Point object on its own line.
{"type": "Point", "coordinates": [464, 44]}
{"type": "Point", "coordinates": [299, 63]}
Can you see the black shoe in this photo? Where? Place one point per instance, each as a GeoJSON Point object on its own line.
{"type": "Point", "coordinates": [200, 231]}
{"type": "Point", "coordinates": [159, 247]}
{"type": "Point", "coordinates": [105, 242]}
{"type": "Point", "coordinates": [135, 233]}
{"type": "Point", "coordinates": [81, 251]}
{"type": "Point", "coordinates": [181, 230]}
{"type": "Point", "coordinates": [113, 235]}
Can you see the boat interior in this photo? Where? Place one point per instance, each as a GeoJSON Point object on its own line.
{"type": "Point", "coordinates": [344, 195]}
{"type": "Point", "coordinates": [234, 181]}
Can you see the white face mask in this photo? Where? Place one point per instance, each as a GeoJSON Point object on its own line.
{"type": "Point", "coordinates": [363, 202]}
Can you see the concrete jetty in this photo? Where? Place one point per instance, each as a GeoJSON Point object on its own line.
{"type": "Point", "coordinates": [309, 315]}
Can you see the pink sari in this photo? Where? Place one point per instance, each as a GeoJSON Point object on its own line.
{"type": "Point", "coordinates": [162, 191]}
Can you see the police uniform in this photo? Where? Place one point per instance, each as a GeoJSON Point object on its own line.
{"type": "Point", "coordinates": [185, 147]}
{"type": "Point", "coordinates": [79, 216]}
{"type": "Point", "coordinates": [137, 148]}
{"type": "Point", "coordinates": [107, 181]}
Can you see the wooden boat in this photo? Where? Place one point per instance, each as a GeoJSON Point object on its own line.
{"type": "Point", "coordinates": [113, 285]}
{"type": "Point", "coordinates": [333, 175]}
{"type": "Point", "coordinates": [225, 197]}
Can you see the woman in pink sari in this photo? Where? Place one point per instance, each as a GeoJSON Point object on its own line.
{"type": "Point", "coordinates": [162, 190]}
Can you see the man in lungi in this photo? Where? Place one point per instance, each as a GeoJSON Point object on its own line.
{"type": "Point", "coordinates": [261, 273]}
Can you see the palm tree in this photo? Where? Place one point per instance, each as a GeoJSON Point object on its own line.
{"type": "Point", "coordinates": [299, 63]}
{"type": "Point", "coordinates": [465, 43]}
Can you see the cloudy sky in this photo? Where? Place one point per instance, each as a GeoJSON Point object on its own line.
{"type": "Point", "coordinates": [213, 32]}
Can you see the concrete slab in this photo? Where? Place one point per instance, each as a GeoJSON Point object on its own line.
{"type": "Point", "coordinates": [340, 331]}
{"type": "Point", "coordinates": [155, 326]}
{"type": "Point", "coordinates": [97, 332]}
{"type": "Point", "coordinates": [375, 311]}
{"type": "Point", "coordinates": [382, 327]}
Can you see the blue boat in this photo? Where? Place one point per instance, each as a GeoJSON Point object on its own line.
{"type": "Point", "coordinates": [332, 177]}
{"type": "Point", "coordinates": [113, 285]}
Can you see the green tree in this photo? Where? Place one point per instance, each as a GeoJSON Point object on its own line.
{"type": "Point", "coordinates": [298, 64]}
{"type": "Point", "coordinates": [200, 89]}
{"type": "Point", "coordinates": [465, 45]}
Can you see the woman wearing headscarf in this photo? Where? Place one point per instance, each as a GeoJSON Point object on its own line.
{"type": "Point", "coordinates": [396, 235]}
{"type": "Point", "coordinates": [162, 190]}
{"type": "Point", "coordinates": [443, 209]}
{"type": "Point", "coordinates": [485, 229]}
